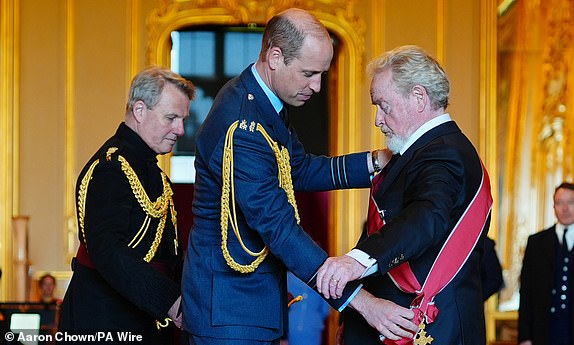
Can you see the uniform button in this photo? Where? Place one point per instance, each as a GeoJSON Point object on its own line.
{"type": "Point", "coordinates": [563, 287]}
{"type": "Point", "coordinates": [552, 310]}
{"type": "Point", "coordinates": [563, 297]}
{"type": "Point", "coordinates": [565, 269]}
{"type": "Point", "coordinates": [563, 306]}
{"type": "Point", "coordinates": [554, 291]}
{"type": "Point", "coordinates": [566, 260]}
{"type": "Point", "coordinates": [564, 278]}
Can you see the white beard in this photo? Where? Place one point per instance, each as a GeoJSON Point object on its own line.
{"type": "Point", "coordinates": [395, 143]}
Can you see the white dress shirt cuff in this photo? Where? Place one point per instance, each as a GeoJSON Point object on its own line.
{"type": "Point", "coordinates": [364, 259]}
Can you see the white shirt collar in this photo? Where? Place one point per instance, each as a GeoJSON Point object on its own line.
{"type": "Point", "coordinates": [427, 126]}
{"type": "Point", "coordinates": [569, 234]}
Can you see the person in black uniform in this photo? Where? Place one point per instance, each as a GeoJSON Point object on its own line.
{"type": "Point", "coordinates": [125, 269]}
{"type": "Point", "coordinates": [546, 311]}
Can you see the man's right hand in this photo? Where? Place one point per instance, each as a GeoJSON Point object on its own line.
{"type": "Point", "coordinates": [391, 320]}
{"type": "Point", "coordinates": [174, 313]}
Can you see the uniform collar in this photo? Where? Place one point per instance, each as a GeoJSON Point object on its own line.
{"type": "Point", "coordinates": [135, 144]}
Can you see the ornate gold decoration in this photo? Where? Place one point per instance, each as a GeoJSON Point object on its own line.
{"type": "Point", "coordinates": [164, 324]}
{"type": "Point", "coordinates": [110, 152]}
{"type": "Point", "coordinates": [557, 90]}
{"type": "Point", "coordinates": [421, 338]}
{"type": "Point", "coordinates": [82, 194]}
{"type": "Point", "coordinates": [71, 227]}
{"type": "Point", "coordinates": [9, 135]}
{"type": "Point", "coordinates": [285, 181]}
{"type": "Point", "coordinates": [141, 233]}
{"type": "Point", "coordinates": [534, 123]}
{"type": "Point", "coordinates": [156, 209]}
{"type": "Point", "coordinates": [336, 15]}
{"type": "Point", "coordinates": [229, 214]}
{"type": "Point", "coordinates": [488, 128]}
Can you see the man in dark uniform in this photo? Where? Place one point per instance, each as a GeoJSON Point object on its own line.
{"type": "Point", "coordinates": [124, 271]}
{"type": "Point", "coordinates": [546, 311]}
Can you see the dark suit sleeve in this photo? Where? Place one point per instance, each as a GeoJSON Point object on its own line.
{"type": "Point", "coordinates": [427, 211]}
{"type": "Point", "coordinates": [490, 270]}
{"type": "Point", "coordinates": [349, 292]}
{"type": "Point", "coordinates": [525, 323]}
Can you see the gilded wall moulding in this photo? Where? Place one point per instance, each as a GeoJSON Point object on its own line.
{"type": "Point", "coordinates": [256, 10]}
{"type": "Point", "coordinates": [337, 15]}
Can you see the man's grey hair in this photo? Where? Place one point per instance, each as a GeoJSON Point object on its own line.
{"type": "Point", "coordinates": [411, 65]}
{"type": "Point", "coordinates": [148, 85]}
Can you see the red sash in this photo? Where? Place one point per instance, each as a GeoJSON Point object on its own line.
{"type": "Point", "coordinates": [449, 261]}
{"type": "Point", "coordinates": [85, 259]}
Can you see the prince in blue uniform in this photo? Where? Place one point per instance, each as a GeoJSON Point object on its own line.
{"type": "Point", "coordinates": [246, 230]}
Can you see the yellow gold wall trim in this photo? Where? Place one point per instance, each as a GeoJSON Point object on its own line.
{"type": "Point", "coordinates": [487, 133]}
{"type": "Point", "coordinates": [9, 132]}
{"type": "Point", "coordinates": [70, 226]}
{"type": "Point", "coordinates": [440, 21]}
{"type": "Point", "coordinates": [133, 38]}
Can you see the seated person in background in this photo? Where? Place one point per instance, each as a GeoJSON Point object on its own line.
{"type": "Point", "coordinates": [47, 284]}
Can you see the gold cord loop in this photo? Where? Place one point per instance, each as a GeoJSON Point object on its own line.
{"type": "Point", "coordinates": [229, 215]}
{"type": "Point", "coordinates": [157, 209]}
{"type": "Point", "coordinates": [163, 324]}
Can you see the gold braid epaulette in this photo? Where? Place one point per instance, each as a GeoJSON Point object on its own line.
{"type": "Point", "coordinates": [228, 192]}
{"type": "Point", "coordinates": [157, 209]}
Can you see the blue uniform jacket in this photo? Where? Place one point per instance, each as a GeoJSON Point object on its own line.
{"type": "Point", "coordinates": [218, 301]}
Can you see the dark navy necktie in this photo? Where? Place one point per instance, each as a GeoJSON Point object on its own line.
{"type": "Point", "coordinates": [284, 115]}
{"type": "Point", "coordinates": [564, 244]}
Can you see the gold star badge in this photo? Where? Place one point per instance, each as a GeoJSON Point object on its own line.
{"type": "Point", "coordinates": [421, 338]}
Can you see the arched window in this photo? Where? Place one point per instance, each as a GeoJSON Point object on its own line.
{"type": "Point", "coordinates": [209, 56]}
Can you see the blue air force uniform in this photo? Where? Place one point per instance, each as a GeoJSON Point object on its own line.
{"type": "Point", "coordinates": [220, 301]}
